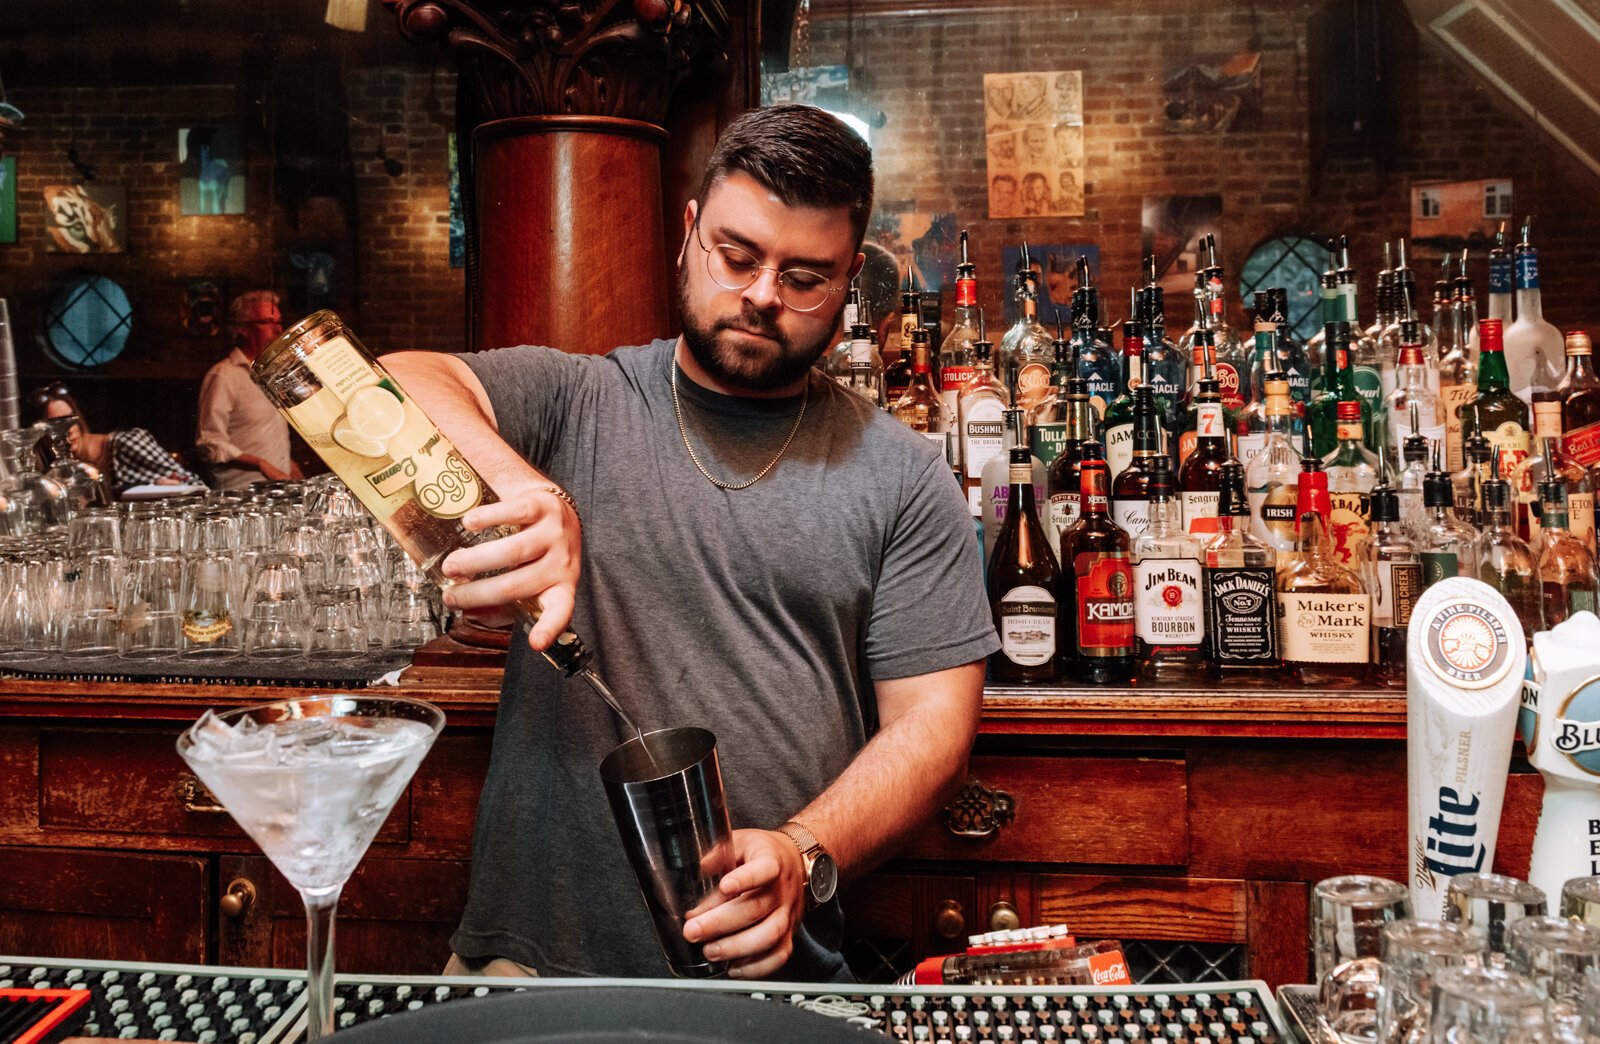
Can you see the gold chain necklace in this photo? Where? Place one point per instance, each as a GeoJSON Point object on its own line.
{"type": "Point", "coordinates": [677, 411]}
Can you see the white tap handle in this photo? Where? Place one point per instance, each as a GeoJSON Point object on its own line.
{"type": "Point", "coordinates": [1560, 725]}
{"type": "Point", "coordinates": [1465, 658]}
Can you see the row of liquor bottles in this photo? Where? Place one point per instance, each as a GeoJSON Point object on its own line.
{"type": "Point", "coordinates": [1105, 602]}
{"type": "Point", "coordinates": [1408, 376]}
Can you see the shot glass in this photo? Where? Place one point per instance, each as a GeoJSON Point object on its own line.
{"type": "Point", "coordinates": [1556, 954]}
{"type": "Point", "coordinates": [93, 586]}
{"type": "Point", "coordinates": [1580, 900]}
{"type": "Point", "coordinates": [1485, 1006]}
{"type": "Point", "coordinates": [275, 626]}
{"type": "Point", "coordinates": [337, 629]}
{"type": "Point", "coordinates": [24, 617]}
{"type": "Point", "coordinates": [95, 529]}
{"type": "Point", "coordinates": [1489, 904]}
{"type": "Point", "coordinates": [150, 612]}
{"type": "Point", "coordinates": [408, 618]}
{"type": "Point", "coordinates": [1348, 917]}
{"type": "Point", "coordinates": [210, 608]}
{"type": "Point", "coordinates": [147, 533]}
{"type": "Point", "coordinates": [1412, 953]}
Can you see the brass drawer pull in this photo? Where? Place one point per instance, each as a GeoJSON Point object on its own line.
{"type": "Point", "coordinates": [978, 812]}
{"type": "Point", "coordinates": [950, 920]}
{"type": "Point", "coordinates": [195, 796]}
{"type": "Point", "coordinates": [238, 900]}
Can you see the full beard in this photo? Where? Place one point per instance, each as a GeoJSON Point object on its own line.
{"type": "Point", "coordinates": [742, 364]}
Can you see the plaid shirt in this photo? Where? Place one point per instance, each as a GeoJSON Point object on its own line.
{"type": "Point", "coordinates": [137, 459]}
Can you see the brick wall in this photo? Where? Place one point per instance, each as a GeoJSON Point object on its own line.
{"type": "Point", "coordinates": [925, 73]}
{"type": "Point", "coordinates": [389, 235]}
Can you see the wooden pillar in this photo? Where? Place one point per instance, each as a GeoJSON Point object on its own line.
{"type": "Point", "coordinates": [560, 111]}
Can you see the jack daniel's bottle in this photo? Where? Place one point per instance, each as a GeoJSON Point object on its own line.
{"type": "Point", "coordinates": [1240, 571]}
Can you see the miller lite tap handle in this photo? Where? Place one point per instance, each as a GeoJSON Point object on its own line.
{"type": "Point", "coordinates": [1465, 659]}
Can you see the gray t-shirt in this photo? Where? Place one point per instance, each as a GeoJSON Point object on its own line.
{"type": "Point", "coordinates": [763, 614]}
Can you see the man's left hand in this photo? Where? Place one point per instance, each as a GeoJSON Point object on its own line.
{"type": "Point", "coordinates": [758, 906]}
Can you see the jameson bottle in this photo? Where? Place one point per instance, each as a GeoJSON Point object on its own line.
{"type": "Point", "coordinates": [1063, 478]}
{"type": "Point", "coordinates": [1200, 478]}
{"type": "Point", "coordinates": [1274, 476]}
{"type": "Point", "coordinates": [1023, 580]}
{"type": "Point", "coordinates": [1392, 571]}
{"type": "Point", "coordinates": [1100, 582]}
{"type": "Point", "coordinates": [385, 449]}
{"type": "Point", "coordinates": [1117, 424]}
{"type": "Point", "coordinates": [1130, 494]}
{"type": "Point", "coordinates": [957, 358]}
{"type": "Point", "coordinates": [1502, 416]}
{"type": "Point", "coordinates": [1239, 573]}
{"type": "Point", "coordinates": [1169, 618]}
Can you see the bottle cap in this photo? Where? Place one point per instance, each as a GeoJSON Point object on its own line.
{"type": "Point", "coordinates": [1337, 332]}
{"type": "Point", "coordinates": [1385, 504]}
{"type": "Point", "coordinates": [1091, 450]}
{"type": "Point", "coordinates": [1437, 491]}
{"type": "Point", "coordinates": [1347, 411]}
{"type": "Point", "coordinates": [1553, 491]}
{"type": "Point", "coordinates": [1496, 491]}
{"type": "Point", "coordinates": [1578, 343]}
{"type": "Point", "coordinates": [1414, 448]}
{"type": "Point", "coordinates": [1021, 455]}
{"type": "Point", "coordinates": [1491, 335]}
{"type": "Point", "coordinates": [1262, 300]}
{"type": "Point", "coordinates": [1313, 494]}
{"type": "Point", "coordinates": [1231, 501]}
{"type": "Point", "coordinates": [1160, 479]}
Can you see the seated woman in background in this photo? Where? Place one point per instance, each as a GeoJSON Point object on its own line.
{"type": "Point", "coordinates": [127, 458]}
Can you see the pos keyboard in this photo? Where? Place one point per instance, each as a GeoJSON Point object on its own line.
{"type": "Point", "coordinates": [221, 1005]}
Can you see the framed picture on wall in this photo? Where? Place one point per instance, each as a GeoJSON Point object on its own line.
{"type": "Point", "coordinates": [86, 219]}
{"type": "Point", "coordinates": [211, 177]}
{"type": "Point", "coordinates": [8, 199]}
{"type": "Point", "coordinates": [201, 306]}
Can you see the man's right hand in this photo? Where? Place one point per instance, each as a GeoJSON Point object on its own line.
{"type": "Point", "coordinates": [539, 563]}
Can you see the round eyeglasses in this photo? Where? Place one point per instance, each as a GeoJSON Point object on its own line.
{"type": "Point", "coordinates": [734, 268]}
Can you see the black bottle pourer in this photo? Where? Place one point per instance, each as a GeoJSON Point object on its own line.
{"type": "Point", "coordinates": [983, 348]}
{"type": "Point", "coordinates": [1436, 488]}
{"type": "Point", "coordinates": [1385, 504]}
{"type": "Point", "coordinates": [1231, 500]}
{"type": "Point", "coordinates": [1415, 446]}
{"type": "Point", "coordinates": [1496, 491]}
{"type": "Point", "coordinates": [1160, 487]}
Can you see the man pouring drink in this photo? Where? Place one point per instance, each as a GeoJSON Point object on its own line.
{"type": "Point", "coordinates": [761, 554]}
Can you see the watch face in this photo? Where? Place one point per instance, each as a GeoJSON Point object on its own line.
{"type": "Point", "coordinates": [824, 878]}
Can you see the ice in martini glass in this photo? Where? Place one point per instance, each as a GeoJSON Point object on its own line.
{"type": "Point", "coordinates": [311, 780]}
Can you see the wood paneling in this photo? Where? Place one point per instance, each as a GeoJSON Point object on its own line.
{"type": "Point", "coordinates": [57, 902]}
{"type": "Point", "coordinates": [1278, 927]}
{"type": "Point", "coordinates": [1129, 811]}
{"type": "Point", "coordinates": [1144, 907]}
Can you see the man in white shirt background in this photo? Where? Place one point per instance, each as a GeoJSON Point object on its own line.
{"type": "Point", "coordinates": [241, 434]}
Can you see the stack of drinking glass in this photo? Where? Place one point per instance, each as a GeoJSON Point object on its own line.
{"type": "Point", "coordinates": [1496, 968]}
{"type": "Point", "coordinates": [277, 571]}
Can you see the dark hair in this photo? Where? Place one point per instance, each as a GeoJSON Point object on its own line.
{"type": "Point", "coordinates": [39, 401]}
{"type": "Point", "coordinates": [804, 156]}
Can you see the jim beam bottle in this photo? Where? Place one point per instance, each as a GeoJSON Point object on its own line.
{"type": "Point", "coordinates": [1169, 617]}
{"type": "Point", "coordinates": [1239, 574]}
{"type": "Point", "coordinates": [1392, 570]}
{"type": "Point", "coordinates": [1324, 610]}
{"type": "Point", "coordinates": [957, 356]}
{"type": "Point", "coordinates": [980, 413]}
{"type": "Point", "coordinates": [1064, 479]}
{"type": "Point", "coordinates": [385, 449]}
{"type": "Point", "coordinates": [1566, 565]}
{"type": "Point", "coordinates": [1023, 581]}
{"type": "Point", "coordinates": [1099, 575]}
{"type": "Point", "coordinates": [1274, 476]}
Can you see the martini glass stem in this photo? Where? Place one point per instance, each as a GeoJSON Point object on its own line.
{"type": "Point", "coordinates": [319, 962]}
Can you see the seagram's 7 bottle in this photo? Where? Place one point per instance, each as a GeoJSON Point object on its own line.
{"type": "Point", "coordinates": [379, 442]}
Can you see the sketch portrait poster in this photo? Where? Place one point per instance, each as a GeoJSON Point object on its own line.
{"type": "Point", "coordinates": [1033, 132]}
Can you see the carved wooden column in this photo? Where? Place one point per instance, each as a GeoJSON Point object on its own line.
{"type": "Point", "coordinates": [559, 107]}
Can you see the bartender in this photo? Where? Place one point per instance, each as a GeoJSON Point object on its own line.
{"type": "Point", "coordinates": [760, 553]}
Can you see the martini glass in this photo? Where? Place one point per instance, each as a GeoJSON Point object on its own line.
{"type": "Point", "coordinates": [311, 780]}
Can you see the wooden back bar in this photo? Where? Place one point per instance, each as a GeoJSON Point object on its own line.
{"type": "Point", "coordinates": [1182, 814]}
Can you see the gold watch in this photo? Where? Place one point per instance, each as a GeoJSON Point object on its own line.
{"type": "Point", "coordinates": [822, 873]}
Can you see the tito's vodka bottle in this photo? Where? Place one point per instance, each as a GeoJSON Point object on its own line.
{"type": "Point", "coordinates": [377, 439]}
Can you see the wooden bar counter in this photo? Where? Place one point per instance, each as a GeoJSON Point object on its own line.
{"type": "Point", "coordinates": [1190, 821]}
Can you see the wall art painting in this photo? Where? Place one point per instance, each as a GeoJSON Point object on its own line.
{"type": "Point", "coordinates": [1033, 131]}
{"type": "Point", "coordinates": [211, 175]}
{"type": "Point", "coordinates": [86, 219]}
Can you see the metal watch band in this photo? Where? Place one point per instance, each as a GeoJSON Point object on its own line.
{"type": "Point", "coordinates": [566, 498]}
{"type": "Point", "coordinates": [804, 839]}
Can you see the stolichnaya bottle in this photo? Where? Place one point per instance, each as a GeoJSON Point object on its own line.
{"type": "Point", "coordinates": [379, 442]}
{"type": "Point", "coordinates": [1023, 580]}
